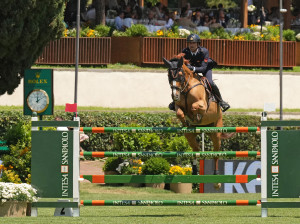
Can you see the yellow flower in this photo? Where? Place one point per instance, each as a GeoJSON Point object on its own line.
{"type": "Point", "coordinates": [262, 35]}
{"type": "Point", "coordinates": [159, 33]}
{"type": "Point", "coordinates": [91, 33]}
{"type": "Point", "coordinates": [66, 32]}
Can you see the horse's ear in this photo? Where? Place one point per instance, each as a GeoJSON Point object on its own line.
{"type": "Point", "coordinates": [180, 63]}
{"type": "Point", "coordinates": [167, 63]}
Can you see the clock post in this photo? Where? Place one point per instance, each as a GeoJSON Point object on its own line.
{"type": "Point", "coordinates": [38, 92]}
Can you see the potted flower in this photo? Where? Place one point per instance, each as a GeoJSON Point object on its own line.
{"type": "Point", "coordinates": [156, 166]}
{"type": "Point", "coordinates": [181, 187]}
{"type": "Point", "coordinates": [111, 165]}
{"type": "Point", "coordinates": [14, 198]}
{"type": "Point", "coordinates": [131, 167]}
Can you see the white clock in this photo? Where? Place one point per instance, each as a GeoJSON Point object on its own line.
{"type": "Point", "coordinates": [38, 100]}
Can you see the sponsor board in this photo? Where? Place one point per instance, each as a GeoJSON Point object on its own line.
{"type": "Point", "coordinates": [234, 167]}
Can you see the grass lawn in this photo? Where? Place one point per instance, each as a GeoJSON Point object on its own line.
{"type": "Point", "coordinates": [160, 214]}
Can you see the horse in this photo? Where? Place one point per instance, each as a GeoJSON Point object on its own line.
{"type": "Point", "coordinates": [193, 106]}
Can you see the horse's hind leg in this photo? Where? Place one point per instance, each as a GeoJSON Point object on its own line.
{"type": "Point", "coordinates": [216, 139]}
{"type": "Point", "coordinates": [191, 138]}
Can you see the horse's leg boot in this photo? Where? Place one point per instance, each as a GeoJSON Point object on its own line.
{"type": "Point", "coordinates": [172, 106]}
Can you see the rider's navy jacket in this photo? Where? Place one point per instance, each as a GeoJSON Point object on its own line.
{"type": "Point", "coordinates": [200, 60]}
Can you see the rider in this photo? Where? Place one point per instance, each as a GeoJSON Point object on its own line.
{"type": "Point", "coordinates": [201, 63]}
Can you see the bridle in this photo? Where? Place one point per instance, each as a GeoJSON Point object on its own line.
{"type": "Point", "coordinates": [178, 78]}
{"type": "Point", "coordinates": [174, 72]}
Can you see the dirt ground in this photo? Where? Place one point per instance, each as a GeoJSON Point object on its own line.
{"type": "Point", "coordinates": [88, 167]}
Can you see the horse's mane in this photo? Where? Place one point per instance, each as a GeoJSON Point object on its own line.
{"type": "Point", "coordinates": [178, 56]}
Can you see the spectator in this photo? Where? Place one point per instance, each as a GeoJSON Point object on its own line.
{"type": "Point", "coordinates": [128, 11]}
{"type": "Point", "coordinates": [159, 11]}
{"type": "Point", "coordinates": [207, 20]}
{"type": "Point", "coordinates": [128, 21]}
{"type": "Point", "coordinates": [119, 21]}
{"type": "Point", "coordinates": [189, 12]}
{"type": "Point", "coordinates": [171, 20]}
{"type": "Point", "coordinates": [214, 23]}
{"type": "Point", "coordinates": [274, 16]}
{"type": "Point", "coordinates": [90, 16]}
{"type": "Point", "coordinates": [197, 18]}
{"type": "Point", "coordinates": [220, 7]}
{"type": "Point", "coordinates": [151, 18]}
{"type": "Point", "coordinates": [222, 19]}
{"type": "Point", "coordinates": [296, 20]}
{"type": "Point", "coordinates": [184, 21]}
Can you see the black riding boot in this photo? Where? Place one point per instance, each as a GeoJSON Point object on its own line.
{"type": "Point", "coordinates": [215, 90]}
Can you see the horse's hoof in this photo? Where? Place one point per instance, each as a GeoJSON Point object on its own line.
{"type": "Point", "coordinates": [217, 186]}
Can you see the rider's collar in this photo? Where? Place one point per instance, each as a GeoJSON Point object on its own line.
{"type": "Point", "coordinates": [194, 53]}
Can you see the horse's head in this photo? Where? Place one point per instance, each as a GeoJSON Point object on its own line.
{"type": "Point", "coordinates": [176, 76]}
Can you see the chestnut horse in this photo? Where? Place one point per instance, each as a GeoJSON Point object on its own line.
{"type": "Point", "coordinates": [192, 104]}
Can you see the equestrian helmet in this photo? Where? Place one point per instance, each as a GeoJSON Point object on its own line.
{"type": "Point", "coordinates": [193, 38]}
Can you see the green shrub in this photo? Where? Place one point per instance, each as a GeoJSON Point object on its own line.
{"type": "Point", "coordinates": [289, 35]}
{"type": "Point", "coordinates": [18, 160]}
{"type": "Point", "coordinates": [137, 30]}
{"type": "Point", "coordinates": [20, 132]}
{"type": "Point", "coordinates": [112, 163]}
{"type": "Point", "coordinates": [156, 166]}
{"type": "Point", "coordinates": [102, 31]}
{"type": "Point", "coordinates": [96, 142]}
{"type": "Point", "coordinates": [136, 142]}
{"type": "Point", "coordinates": [221, 33]}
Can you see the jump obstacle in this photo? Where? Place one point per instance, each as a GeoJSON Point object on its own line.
{"type": "Point", "coordinates": [56, 154]}
{"type": "Point", "coordinates": [3, 147]}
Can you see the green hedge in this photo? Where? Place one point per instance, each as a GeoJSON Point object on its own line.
{"type": "Point", "coordinates": [142, 142]}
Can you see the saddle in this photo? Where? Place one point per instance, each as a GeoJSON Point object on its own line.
{"type": "Point", "coordinates": [208, 89]}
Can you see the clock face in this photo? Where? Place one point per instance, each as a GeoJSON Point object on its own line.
{"type": "Point", "coordinates": [38, 100]}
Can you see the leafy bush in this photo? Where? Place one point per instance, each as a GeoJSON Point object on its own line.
{"type": "Point", "coordinates": [136, 142]}
{"type": "Point", "coordinates": [137, 30]}
{"type": "Point", "coordinates": [20, 132]}
{"type": "Point", "coordinates": [289, 35]}
{"type": "Point", "coordinates": [220, 33]}
{"type": "Point", "coordinates": [17, 163]}
{"type": "Point", "coordinates": [156, 166]}
{"type": "Point", "coordinates": [103, 31]}
{"type": "Point", "coordinates": [112, 163]}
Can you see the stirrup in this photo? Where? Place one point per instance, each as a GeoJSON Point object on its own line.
{"type": "Point", "coordinates": [172, 106]}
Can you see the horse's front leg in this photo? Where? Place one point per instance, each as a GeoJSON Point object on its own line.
{"type": "Point", "coordinates": [198, 109]}
{"type": "Point", "coordinates": [191, 138]}
{"type": "Point", "coordinates": [180, 115]}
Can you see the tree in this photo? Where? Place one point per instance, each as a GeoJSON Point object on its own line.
{"type": "Point", "coordinates": [26, 27]}
{"type": "Point", "coordinates": [100, 12]}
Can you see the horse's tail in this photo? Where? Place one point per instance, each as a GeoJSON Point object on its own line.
{"type": "Point", "coordinates": [227, 135]}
